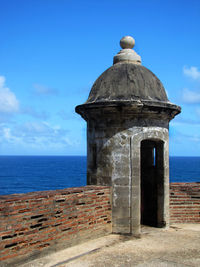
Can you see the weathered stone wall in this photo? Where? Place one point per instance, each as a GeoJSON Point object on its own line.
{"type": "Point", "coordinates": [185, 202]}
{"type": "Point", "coordinates": [40, 222]}
{"type": "Point", "coordinates": [114, 153]}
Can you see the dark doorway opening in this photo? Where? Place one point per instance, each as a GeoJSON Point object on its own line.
{"type": "Point", "coordinates": [152, 183]}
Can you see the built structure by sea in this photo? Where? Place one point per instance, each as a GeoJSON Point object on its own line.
{"type": "Point", "coordinates": [128, 115]}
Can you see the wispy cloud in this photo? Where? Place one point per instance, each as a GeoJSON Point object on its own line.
{"type": "Point", "coordinates": [195, 138]}
{"type": "Point", "coordinates": [41, 129]}
{"type": "Point", "coordinates": [190, 96]}
{"type": "Point", "coordinates": [191, 72]}
{"type": "Point", "coordinates": [8, 101]}
{"type": "Point", "coordinates": [68, 115]}
{"type": "Point", "coordinates": [40, 89]}
{"type": "Point", "coordinates": [180, 137]}
{"type": "Point", "coordinates": [34, 113]}
{"type": "Point", "coordinates": [39, 135]}
{"type": "Point", "coordinates": [192, 137]}
{"type": "Point", "coordinates": [198, 112]}
{"type": "Point", "coordinates": [182, 121]}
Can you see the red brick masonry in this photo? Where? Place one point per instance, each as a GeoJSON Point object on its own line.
{"type": "Point", "coordinates": [185, 202]}
{"type": "Point", "coordinates": [42, 221]}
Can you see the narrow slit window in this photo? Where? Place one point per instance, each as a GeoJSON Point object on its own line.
{"type": "Point", "coordinates": [154, 156]}
{"type": "Point", "coordinates": [94, 152]}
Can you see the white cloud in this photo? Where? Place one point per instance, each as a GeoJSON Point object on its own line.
{"type": "Point", "coordinates": [6, 133]}
{"type": "Point", "coordinates": [192, 72]}
{"type": "Point", "coordinates": [36, 135]}
{"type": "Point", "coordinates": [40, 129]}
{"type": "Point", "coordinates": [190, 96]}
{"type": "Point", "coordinates": [8, 100]}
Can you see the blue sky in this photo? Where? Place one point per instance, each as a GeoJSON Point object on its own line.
{"type": "Point", "coordinates": [51, 52]}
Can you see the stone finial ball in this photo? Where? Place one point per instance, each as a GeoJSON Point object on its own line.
{"type": "Point", "coordinates": [127, 42]}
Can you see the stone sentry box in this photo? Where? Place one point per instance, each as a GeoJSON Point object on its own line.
{"type": "Point", "coordinates": [128, 114]}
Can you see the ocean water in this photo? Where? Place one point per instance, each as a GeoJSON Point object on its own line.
{"type": "Point", "coordinates": [184, 169]}
{"type": "Point", "coordinates": [22, 174]}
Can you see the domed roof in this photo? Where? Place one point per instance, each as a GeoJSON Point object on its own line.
{"type": "Point", "coordinates": [127, 82]}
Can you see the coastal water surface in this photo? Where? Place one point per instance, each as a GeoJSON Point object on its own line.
{"type": "Point", "coordinates": [22, 174]}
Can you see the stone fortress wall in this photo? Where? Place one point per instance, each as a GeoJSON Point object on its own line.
{"type": "Point", "coordinates": [185, 203]}
{"type": "Point", "coordinates": [38, 223]}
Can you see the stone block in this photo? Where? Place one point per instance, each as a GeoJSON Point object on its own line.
{"type": "Point", "coordinates": [118, 229]}
{"type": "Point", "coordinates": [121, 191]}
{"type": "Point", "coordinates": [120, 212]}
{"type": "Point", "coordinates": [123, 181]}
{"type": "Point", "coordinates": [121, 201]}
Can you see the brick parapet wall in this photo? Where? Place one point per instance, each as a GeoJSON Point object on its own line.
{"type": "Point", "coordinates": [37, 223]}
{"type": "Point", "coordinates": [40, 222]}
{"type": "Point", "coordinates": [185, 203]}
